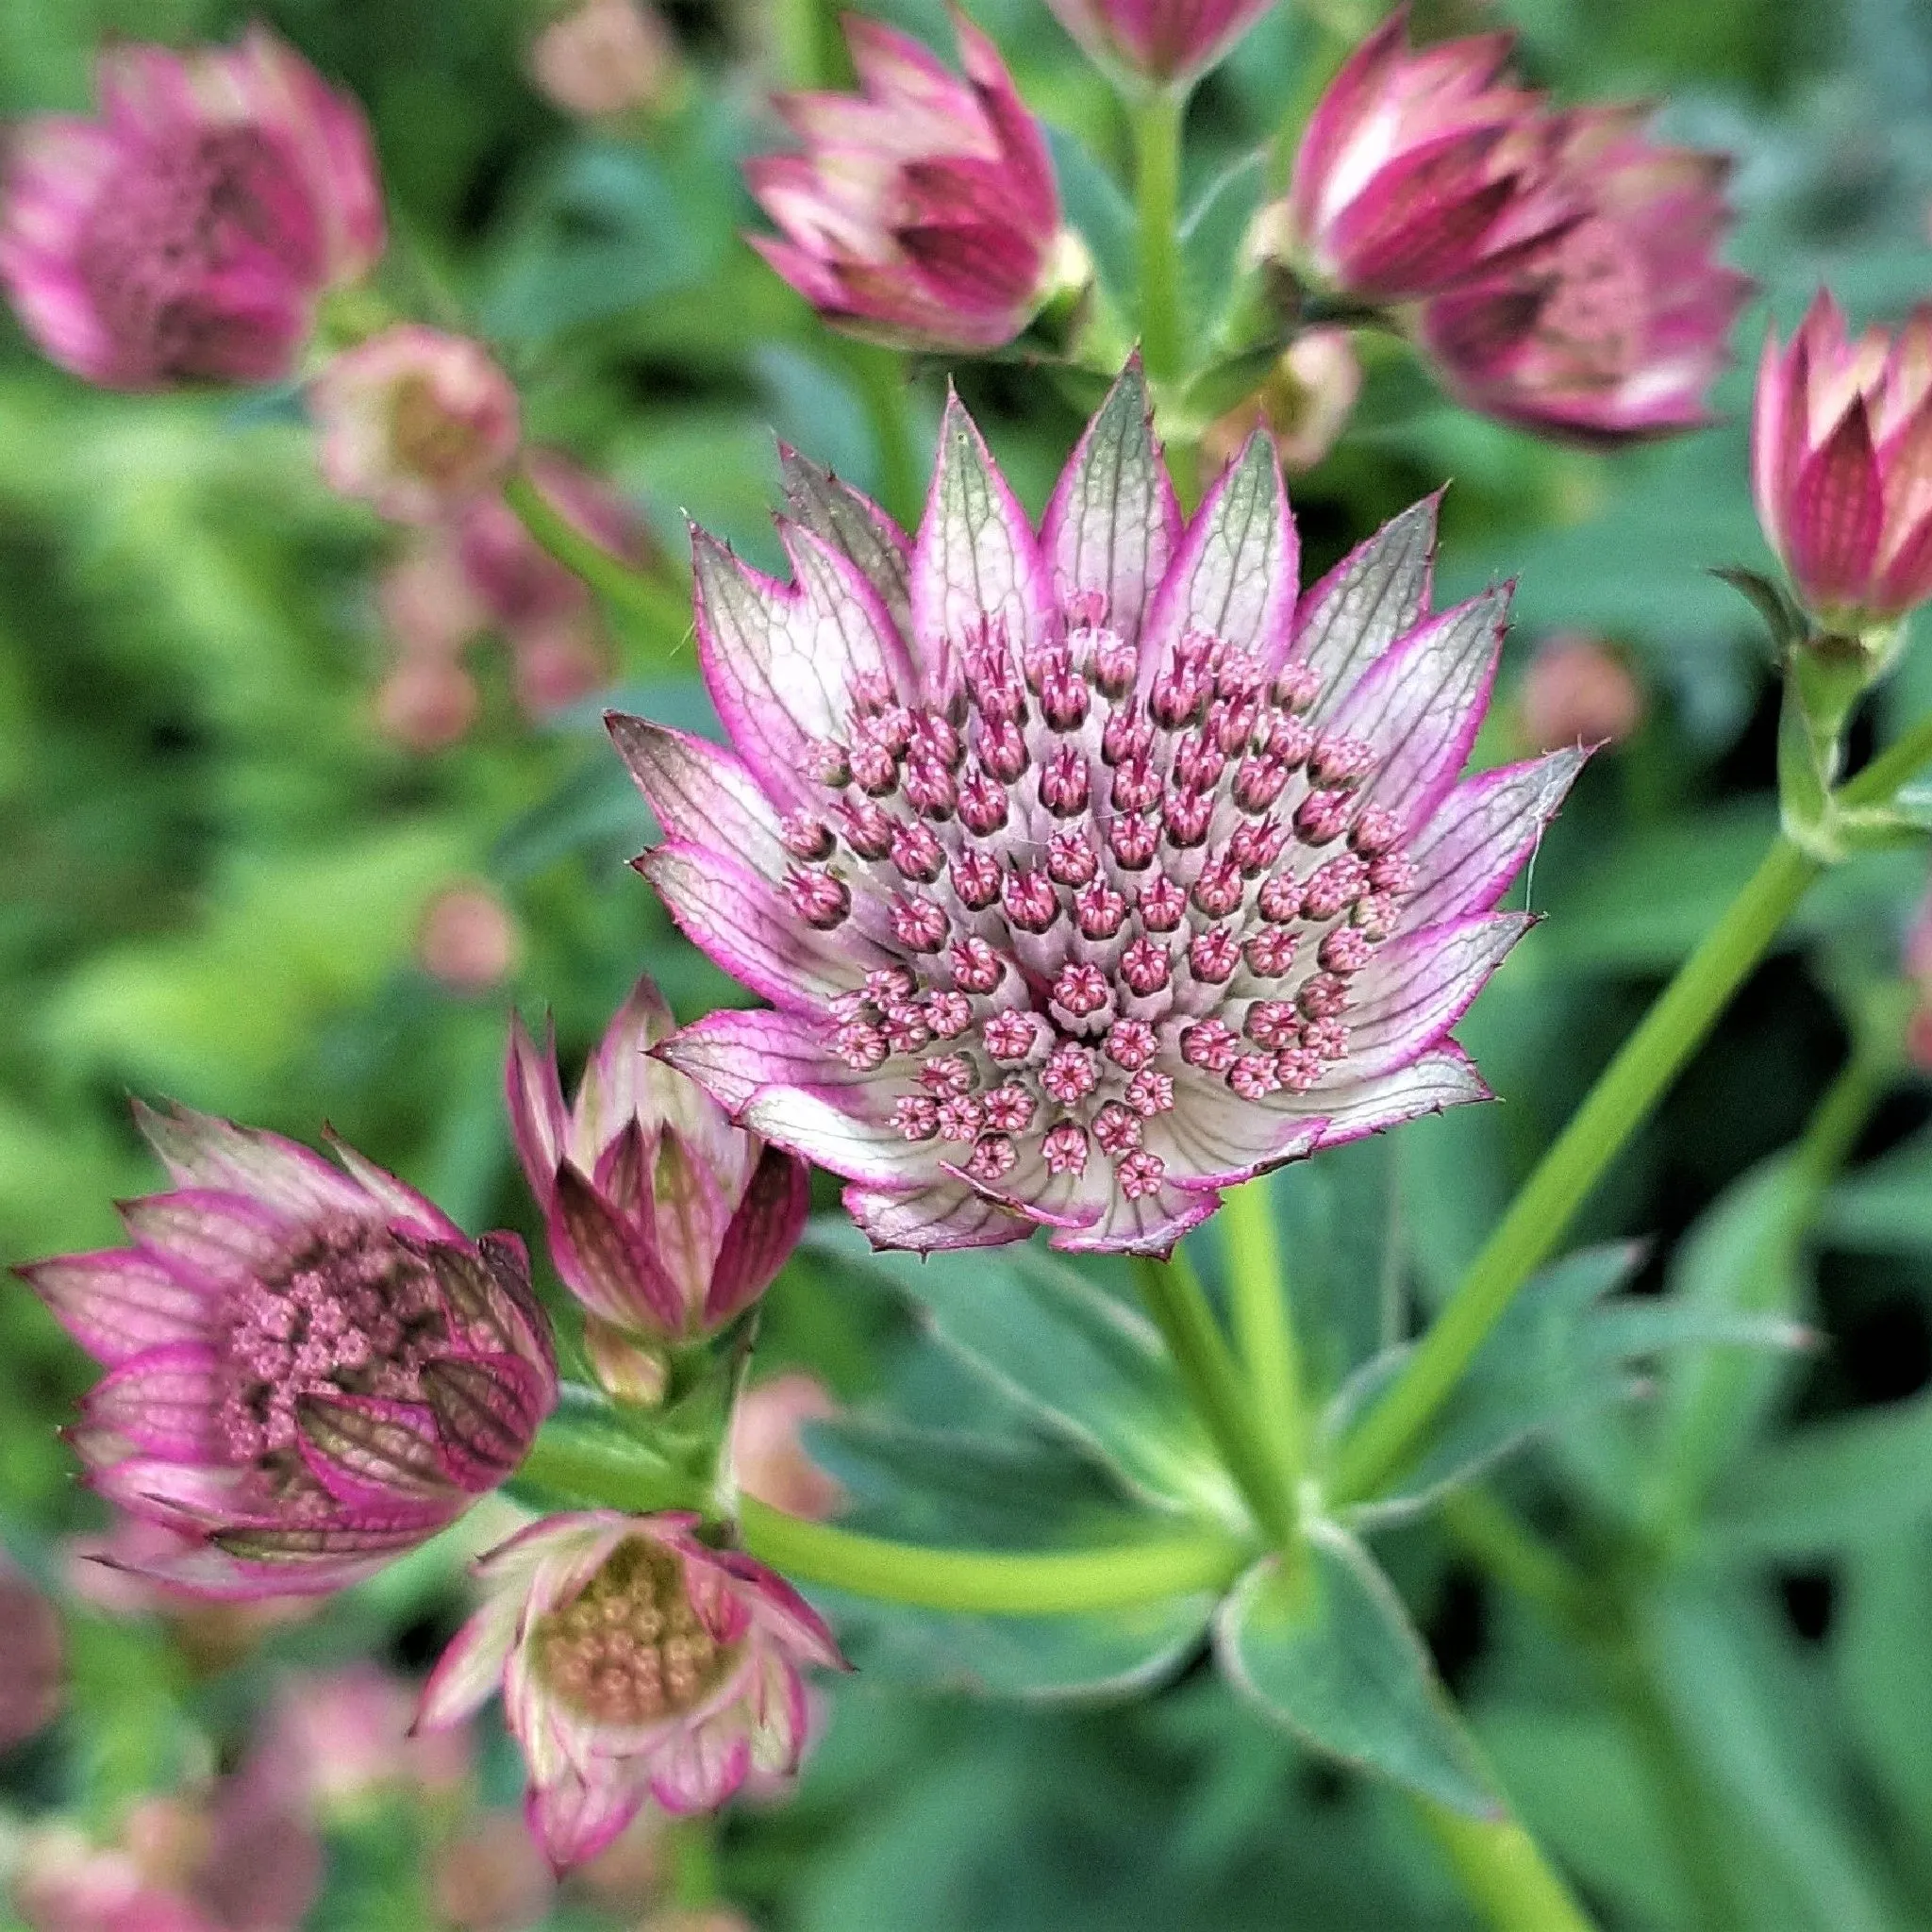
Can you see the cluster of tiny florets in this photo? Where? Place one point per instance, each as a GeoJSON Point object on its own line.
{"type": "Point", "coordinates": [629, 1648]}
{"type": "Point", "coordinates": [1096, 884]}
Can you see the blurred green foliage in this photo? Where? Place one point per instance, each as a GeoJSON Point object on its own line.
{"type": "Point", "coordinates": [215, 869]}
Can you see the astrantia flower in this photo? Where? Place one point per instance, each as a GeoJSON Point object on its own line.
{"type": "Point", "coordinates": [635, 1662]}
{"type": "Point", "coordinates": [309, 1370]}
{"type": "Point", "coordinates": [1421, 170]}
{"type": "Point", "coordinates": [1090, 872]}
{"type": "Point", "coordinates": [1166, 41]}
{"type": "Point", "coordinates": [924, 209]}
{"type": "Point", "coordinates": [414, 421]}
{"type": "Point", "coordinates": [1842, 464]}
{"type": "Point", "coordinates": [665, 1220]}
{"type": "Point", "coordinates": [186, 232]}
{"type": "Point", "coordinates": [1616, 327]}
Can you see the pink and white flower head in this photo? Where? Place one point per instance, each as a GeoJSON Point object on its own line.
{"type": "Point", "coordinates": [310, 1369]}
{"type": "Point", "coordinates": [1842, 464]}
{"type": "Point", "coordinates": [1090, 872]}
{"type": "Point", "coordinates": [1421, 169]}
{"type": "Point", "coordinates": [635, 1662]}
{"type": "Point", "coordinates": [186, 233]}
{"type": "Point", "coordinates": [1168, 42]}
{"type": "Point", "coordinates": [1616, 326]}
{"type": "Point", "coordinates": [923, 211]}
{"type": "Point", "coordinates": [415, 421]}
{"type": "Point", "coordinates": [665, 1220]}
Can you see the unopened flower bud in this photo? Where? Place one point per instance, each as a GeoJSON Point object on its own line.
{"type": "Point", "coordinates": [1579, 691]}
{"type": "Point", "coordinates": [602, 58]}
{"type": "Point", "coordinates": [468, 938]}
{"type": "Point", "coordinates": [767, 1447]}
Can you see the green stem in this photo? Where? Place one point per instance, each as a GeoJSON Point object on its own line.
{"type": "Point", "coordinates": [992, 1583]}
{"type": "Point", "coordinates": [1157, 195]}
{"type": "Point", "coordinates": [1173, 1298]}
{"type": "Point", "coordinates": [1515, 1555]}
{"type": "Point", "coordinates": [1502, 1872]}
{"type": "Point", "coordinates": [1626, 1091]}
{"type": "Point", "coordinates": [1264, 1328]}
{"type": "Point", "coordinates": [609, 1474]}
{"type": "Point", "coordinates": [667, 610]}
{"type": "Point", "coordinates": [883, 386]}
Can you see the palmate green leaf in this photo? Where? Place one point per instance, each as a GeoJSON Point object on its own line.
{"type": "Point", "coordinates": [1325, 1648]}
{"type": "Point", "coordinates": [1016, 1490]}
{"type": "Point", "coordinates": [1561, 1351]}
{"type": "Point", "coordinates": [1084, 1364]}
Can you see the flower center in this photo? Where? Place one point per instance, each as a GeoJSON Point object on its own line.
{"type": "Point", "coordinates": [629, 1648]}
{"type": "Point", "coordinates": [431, 440]}
{"type": "Point", "coordinates": [1103, 893]}
{"type": "Point", "coordinates": [351, 1314]}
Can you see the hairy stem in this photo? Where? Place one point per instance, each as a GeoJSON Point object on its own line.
{"type": "Point", "coordinates": [1157, 194]}
{"type": "Point", "coordinates": [1264, 1328]}
{"type": "Point", "coordinates": [1623, 1095]}
{"type": "Point", "coordinates": [992, 1583]}
{"type": "Point", "coordinates": [1173, 1298]}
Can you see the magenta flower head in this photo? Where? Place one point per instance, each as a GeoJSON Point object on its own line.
{"type": "Point", "coordinates": [1419, 170]}
{"type": "Point", "coordinates": [665, 1220]}
{"type": "Point", "coordinates": [186, 233]}
{"type": "Point", "coordinates": [309, 1370]}
{"type": "Point", "coordinates": [415, 421]}
{"type": "Point", "coordinates": [1616, 326]}
{"type": "Point", "coordinates": [1089, 873]}
{"type": "Point", "coordinates": [1169, 41]}
{"type": "Point", "coordinates": [1842, 464]}
{"type": "Point", "coordinates": [635, 1662]}
{"type": "Point", "coordinates": [922, 210]}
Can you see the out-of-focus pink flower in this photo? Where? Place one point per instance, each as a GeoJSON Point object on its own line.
{"type": "Point", "coordinates": [665, 1220]}
{"type": "Point", "coordinates": [64, 1883]}
{"type": "Point", "coordinates": [428, 604]}
{"type": "Point", "coordinates": [558, 661]}
{"type": "Point", "coordinates": [1579, 691]}
{"type": "Point", "coordinates": [767, 1453]}
{"type": "Point", "coordinates": [922, 210]}
{"type": "Point", "coordinates": [1304, 404]}
{"type": "Point", "coordinates": [519, 585]}
{"type": "Point", "coordinates": [1093, 870]}
{"type": "Point", "coordinates": [415, 421]}
{"type": "Point", "coordinates": [468, 938]}
{"type": "Point", "coordinates": [1421, 170]}
{"type": "Point", "coordinates": [186, 232]}
{"type": "Point", "coordinates": [490, 1878]}
{"type": "Point", "coordinates": [30, 1659]}
{"type": "Point", "coordinates": [635, 1661]}
{"type": "Point", "coordinates": [335, 1739]}
{"type": "Point", "coordinates": [310, 1369]}
{"type": "Point", "coordinates": [1616, 328]}
{"type": "Point", "coordinates": [601, 57]}
{"type": "Point", "coordinates": [425, 705]}
{"type": "Point", "coordinates": [1842, 464]}
{"type": "Point", "coordinates": [1170, 42]}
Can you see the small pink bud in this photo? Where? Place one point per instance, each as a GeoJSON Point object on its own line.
{"type": "Point", "coordinates": [426, 603]}
{"type": "Point", "coordinates": [425, 705]}
{"type": "Point", "coordinates": [1579, 691]}
{"type": "Point", "coordinates": [1840, 457]}
{"type": "Point", "coordinates": [558, 663]}
{"type": "Point", "coordinates": [768, 1450]}
{"type": "Point", "coordinates": [922, 210]}
{"type": "Point", "coordinates": [1303, 405]}
{"type": "Point", "coordinates": [468, 938]}
{"type": "Point", "coordinates": [602, 58]}
{"type": "Point", "coordinates": [414, 421]}
{"type": "Point", "coordinates": [1166, 41]}
{"type": "Point", "coordinates": [30, 1655]}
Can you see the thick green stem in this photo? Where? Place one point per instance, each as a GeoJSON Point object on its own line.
{"type": "Point", "coordinates": [1264, 1328]}
{"type": "Point", "coordinates": [1500, 1869]}
{"type": "Point", "coordinates": [987, 1582]}
{"type": "Point", "coordinates": [665, 609]}
{"type": "Point", "coordinates": [1158, 201]}
{"type": "Point", "coordinates": [608, 1474]}
{"type": "Point", "coordinates": [1173, 1298]}
{"type": "Point", "coordinates": [1628, 1087]}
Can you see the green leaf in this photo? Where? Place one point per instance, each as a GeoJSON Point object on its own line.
{"type": "Point", "coordinates": [1211, 236]}
{"type": "Point", "coordinates": [1886, 1208]}
{"type": "Point", "coordinates": [1558, 1354]}
{"type": "Point", "coordinates": [1881, 1649]}
{"type": "Point", "coordinates": [1100, 212]}
{"type": "Point", "coordinates": [1090, 1367]}
{"type": "Point", "coordinates": [1830, 1487]}
{"type": "Point", "coordinates": [1327, 1649]}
